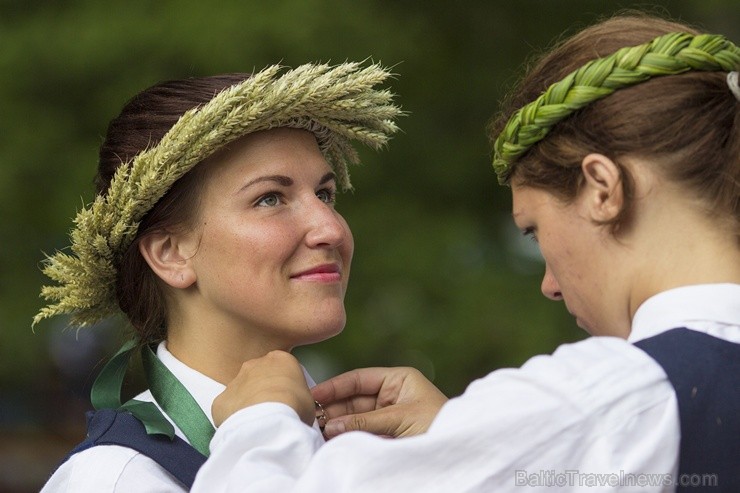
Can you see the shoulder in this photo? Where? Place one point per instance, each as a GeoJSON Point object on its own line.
{"type": "Point", "coordinates": [600, 404]}
{"type": "Point", "coordinates": [595, 376]}
{"type": "Point", "coordinates": [110, 468]}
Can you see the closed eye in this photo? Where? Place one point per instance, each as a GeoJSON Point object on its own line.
{"type": "Point", "coordinates": [530, 233]}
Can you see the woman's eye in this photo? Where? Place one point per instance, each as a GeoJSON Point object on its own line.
{"type": "Point", "coordinates": [269, 200]}
{"type": "Point", "coordinates": [327, 195]}
{"type": "Point", "coordinates": [531, 234]}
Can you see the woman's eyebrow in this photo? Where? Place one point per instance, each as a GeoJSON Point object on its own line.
{"type": "Point", "coordinates": [284, 181]}
{"type": "Point", "coordinates": [327, 178]}
{"type": "Point", "coordinates": [281, 180]}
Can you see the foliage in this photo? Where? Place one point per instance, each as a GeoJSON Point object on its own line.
{"type": "Point", "coordinates": [439, 279]}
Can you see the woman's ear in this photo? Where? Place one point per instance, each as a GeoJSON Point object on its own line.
{"type": "Point", "coordinates": [169, 258]}
{"type": "Point", "coordinates": [603, 190]}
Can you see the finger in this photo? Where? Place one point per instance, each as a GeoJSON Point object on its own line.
{"type": "Point", "coordinates": [282, 359]}
{"type": "Point", "coordinates": [274, 377]}
{"type": "Point", "coordinates": [363, 381]}
{"type": "Point", "coordinates": [276, 361]}
{"type": "Point", "coordinates": [353, 405]}
{"type": "Point", "coordinates": [378, 422]}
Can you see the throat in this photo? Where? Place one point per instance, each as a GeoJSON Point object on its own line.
{"type": "Point", "coordinates": [219, 359]}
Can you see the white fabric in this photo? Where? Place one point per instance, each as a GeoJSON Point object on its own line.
{"type": "Point", "coordinates": [732, 83]}
{"type": "Point", "coordinates": [113, 468]}
{"type": "Point", "coordinates": [596, 415]}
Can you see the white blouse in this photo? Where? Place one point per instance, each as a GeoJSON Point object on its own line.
{"type": "Point", "coordinates": [114, 468]}
{"type": "Point", "coordinates": [596, 415]}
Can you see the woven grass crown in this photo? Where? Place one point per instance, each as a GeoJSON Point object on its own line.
{"type": "Point", "coordinates": [668, 54]}
{"type": "Point", "coordinates": [337, 103]}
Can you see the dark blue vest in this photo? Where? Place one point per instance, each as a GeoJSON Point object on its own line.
{"type": "Point", "coordinates": [113, 427]}
{"type": "Point", "coordinates": [705, 374]}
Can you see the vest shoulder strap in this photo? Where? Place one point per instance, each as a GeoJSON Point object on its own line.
{"type": "Point", "coordinates": [115, 427]}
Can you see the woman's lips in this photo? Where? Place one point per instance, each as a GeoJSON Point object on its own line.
{"type": "Point", "coordinates": [321, 273]}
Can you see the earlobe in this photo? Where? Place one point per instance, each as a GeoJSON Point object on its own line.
{"type": "Point", "coordinates": [165, 256]}
{"type": "Point", "coordinates": [603, 187]}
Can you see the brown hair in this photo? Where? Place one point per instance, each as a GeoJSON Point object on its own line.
{"type": "Point", "coordinates": [142, 123]}
{"type": "Point", "coordinates": [687, 124]}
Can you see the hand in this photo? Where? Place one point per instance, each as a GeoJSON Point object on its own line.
{"type": "Point", "coordinates": [394, 402]}
{"type": "Point", "coordinates": [275, 377]}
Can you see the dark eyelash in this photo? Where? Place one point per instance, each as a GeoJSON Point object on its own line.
{"type": "Point", "coordinates": [530, 233]}
{"type": "Point", "coordinates": [332, 193]}
{"type": "Point", "coordinates": [262, 197]}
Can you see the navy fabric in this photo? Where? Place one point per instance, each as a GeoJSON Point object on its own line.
{"type": "Point", "coordinates": [113, 427]}
{"type": "Point", "coordinates": [705, 373]}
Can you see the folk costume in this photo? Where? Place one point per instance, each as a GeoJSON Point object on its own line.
{"type": "Point", "coordinates": [119, 455]}
{"type": "Point", "coordinates": [158, 440]}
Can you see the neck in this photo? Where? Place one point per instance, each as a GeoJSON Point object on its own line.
{"type": "Point", "coordinates": [685, 247]}
{"type": "Point", "coordinates": [217, 350]}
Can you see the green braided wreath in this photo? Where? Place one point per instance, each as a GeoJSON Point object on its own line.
{"type": "Point", "coordinates": [668, 54]}
{"type": "Point", "coordinates": [339, 104]}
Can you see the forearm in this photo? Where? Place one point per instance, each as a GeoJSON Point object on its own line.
{"type": "Point", "coordinates": [263, 448]}
{"type": "Point", "coordinates": [266, 448]}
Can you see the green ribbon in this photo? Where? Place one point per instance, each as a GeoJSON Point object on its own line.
{"type": "Point", "coordinates": [166, 389]}
{"type": "Point", "coordinates": [177, 402]}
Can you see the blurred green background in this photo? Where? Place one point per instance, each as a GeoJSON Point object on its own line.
{"type": "Point", "coordinates": [441, 279]}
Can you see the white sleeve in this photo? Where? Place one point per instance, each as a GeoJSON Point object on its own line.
{"type": "Point", "coordinates": [265, 447]}
{"type": "Point", "coordinates": [111, 469]}
{"type": "Point", "coordinates": [600, 406]}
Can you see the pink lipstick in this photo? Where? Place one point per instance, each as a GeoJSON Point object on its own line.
{"type": "Point", "coordinates": [320, 273]}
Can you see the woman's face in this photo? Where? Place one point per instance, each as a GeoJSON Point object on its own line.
{"type": "Point", "coordinates": [272, 254]}
{"type": "Point", "coordinates": [576, 251]}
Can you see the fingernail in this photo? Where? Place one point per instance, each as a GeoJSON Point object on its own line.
{"type": "Point", "coordinates": [334, 428]}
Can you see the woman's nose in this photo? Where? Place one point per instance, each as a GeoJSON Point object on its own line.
{"type": "Point", "coordinates": [326, 227]}
{"type": "Point", "coordinates": [550, 287]}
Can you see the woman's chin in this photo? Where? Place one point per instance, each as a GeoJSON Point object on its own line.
{"type": "Point", "coordinates": [321, 328]}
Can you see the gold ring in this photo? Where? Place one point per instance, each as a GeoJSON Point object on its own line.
{"type": "Point", "coordinates": [321, 417]}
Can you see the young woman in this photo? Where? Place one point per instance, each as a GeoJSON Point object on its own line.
{"type": "Point", "coordinates": [214, 231]}
{"type": "Point", "coordinates": [622, 150]}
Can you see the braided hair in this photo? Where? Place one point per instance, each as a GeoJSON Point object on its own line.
{"type": "Point", "coordinates": [668, 101]}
